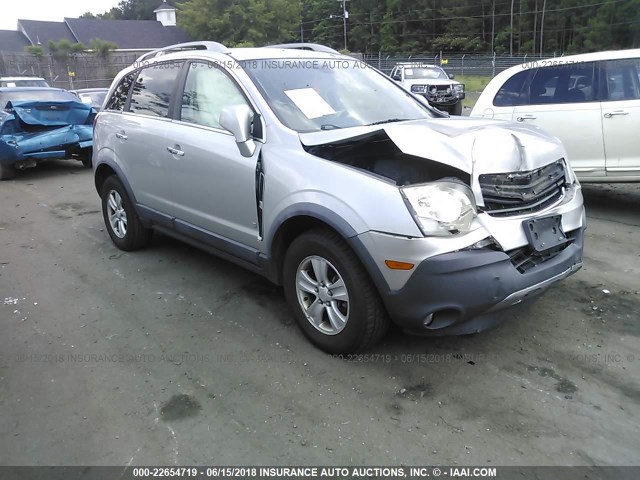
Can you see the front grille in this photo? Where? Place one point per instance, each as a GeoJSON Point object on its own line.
{"type": "Point", "coordinates": [518, 193]}
{"type": "Point", "coordinates": [441, 94]}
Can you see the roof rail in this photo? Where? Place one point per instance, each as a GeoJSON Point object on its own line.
{"type": "Point", "coordinates": [314, 47]}
{"type": "Point", "coordinates": [209, 46]}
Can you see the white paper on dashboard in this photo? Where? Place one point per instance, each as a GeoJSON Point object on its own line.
{"type": "Point", "coordinates": [310, 103]}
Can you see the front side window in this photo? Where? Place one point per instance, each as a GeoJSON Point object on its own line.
{"type": "Point", "coordinates": [207, 92]}
{"type": "Point", "coordinates": [320, 94]}
{"type": "Point", "coordinates": [566, 83]}
{"type": "Point", "coordinates": [153, 88]}
{"type": "Point", "coordinates": [513, 92]}
{"type": "Point", "coordinates": [623, 79]}
{"type": "Point", "coordinates": [119, 96]}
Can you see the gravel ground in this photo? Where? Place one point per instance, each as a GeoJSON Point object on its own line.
{"type": "Point", "coordinates": [170, 356]}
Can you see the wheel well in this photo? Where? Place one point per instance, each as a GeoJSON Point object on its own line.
{"type": "Point", "coordinates": [286, 234]}
{"type": "Point", "coordinates": [103, 172]}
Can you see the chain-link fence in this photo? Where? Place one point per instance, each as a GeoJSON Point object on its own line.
{"type": "Point", "coordinates": [83, 71]}
{"type": "Point", "coordinates": [480, 64]}
{"type": "Point", "coordinates": [86, 71]}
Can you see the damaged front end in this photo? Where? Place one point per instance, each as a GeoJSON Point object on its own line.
{"type": "Point", "coordinates": [498, 205]}
{"type": "Point", "coordinates": [33, 131]}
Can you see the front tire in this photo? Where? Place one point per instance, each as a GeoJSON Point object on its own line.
{"type": "Point", "coordinates": [332, 297]}
{"type": "Point", "coordinates": [7, 172]}
{"type": "Point", "coordinates": [120, 218]}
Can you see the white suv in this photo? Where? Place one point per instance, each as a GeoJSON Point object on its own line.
{"type": "Point", "coordinates": [591, 102]}
{"type": "Point", "coordinates": [431, 82]}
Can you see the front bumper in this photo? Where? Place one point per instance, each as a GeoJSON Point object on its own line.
{"type": "Point", "coordinates": [458, 293]}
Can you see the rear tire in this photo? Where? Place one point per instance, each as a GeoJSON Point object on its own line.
{"type": "Point", "coordinates": [87, 162]}
{"type": "Point", "coordinates": [7, 172]}
{"type": "Point", "coordinates": [332, 297]}
{"type": "Point", "coordinates": [120, 218]}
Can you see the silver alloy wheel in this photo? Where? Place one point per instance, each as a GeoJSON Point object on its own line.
{"type": "Point", "coordinates": [116, 213]}
{"type": "Point", "coordinates": [322, 294]}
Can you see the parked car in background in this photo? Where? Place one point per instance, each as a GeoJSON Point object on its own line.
{"type": "Point", "coordinates": [591, 102]}
{"type": "Point", "coordinates": [23, 82]}
{"type": "Point", "coordinates": [333, 181]}
{"type": "Point", "coordinates": [433, 83]}
{"type": "Point", "coordinates": [92, 96]}
{"type": "Point", "coordinates": [38, 124]}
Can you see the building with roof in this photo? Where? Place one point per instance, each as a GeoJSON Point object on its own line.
{"type": "Point", "coordinates": [127, 34]}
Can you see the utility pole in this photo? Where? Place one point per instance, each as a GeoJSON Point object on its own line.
{"type": "Point", "coordinates": [345, 15]}
{"type": "Point", "coordinates": [493, 23]}
{"type": "Point", "coordinates": [511, 31]}
{"type": "Point", "coordinates": [544, 6]}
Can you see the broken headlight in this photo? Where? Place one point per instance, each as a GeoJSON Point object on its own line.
{"type": "Point", "coordinates": [441, 208]}
{"type": "Point", "coordinates": [458, 89]}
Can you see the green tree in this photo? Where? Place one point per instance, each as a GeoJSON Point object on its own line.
{"type": "Point", "coordinates": [35, 50]}
{"type": "Point", "coordinates": [237, 22]}
{"type": "Point", "coordinates": [101, 48]}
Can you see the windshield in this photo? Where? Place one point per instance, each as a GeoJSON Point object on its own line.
{"type": "Point", "coordinates": [322, 94]}
{"type": "Point", "coordinates": [23, 83]}
{"type": "Point", "coordinates": [426, 72]}
{"type": "Point", "coordinates": [44, 95]}
{"type": "Point", "coordinates": [95, 99]}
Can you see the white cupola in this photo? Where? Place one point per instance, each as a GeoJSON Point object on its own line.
{"type": "Point", "coordinates": [166, 14]}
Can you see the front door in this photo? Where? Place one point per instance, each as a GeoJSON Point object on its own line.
{"type": "Point", "coordinates": [213, 187]}
{"type": "Point", "coordinates": [621, 117]}
{"type": "Point", "coordinates": [563, 101]}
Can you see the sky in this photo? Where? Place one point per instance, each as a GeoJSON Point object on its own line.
{"type": "Point", "coordinates": [52, 10]}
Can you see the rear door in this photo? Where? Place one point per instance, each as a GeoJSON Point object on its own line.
{"type": "Point", "coordinates": [143, 132]}
{"type": "Point", "coordinates": [564, 101]}
{"type": "Point", "coordinates": [621, 117]}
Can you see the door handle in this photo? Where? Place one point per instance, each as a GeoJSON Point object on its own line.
{"type": "Point", "coordinates": [121, 135]}
{"type": "Point", "coordinates": [175, 150]}
{"type": "Point", "coordinates": [615, 113]}
{"type": "Point", "coordinates": [526, 117]}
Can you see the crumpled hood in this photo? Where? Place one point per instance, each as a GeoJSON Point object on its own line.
{"type": "Point", "coordinates": [50, 114]}
{"type": "Point", "coordinates": [473, 145]}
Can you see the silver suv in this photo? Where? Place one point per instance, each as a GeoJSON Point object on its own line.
{"type": "Point", "coordinates": [328, 178]}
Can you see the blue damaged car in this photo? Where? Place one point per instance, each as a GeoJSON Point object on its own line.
{"type": "Point", "coordinates": [38, 124]}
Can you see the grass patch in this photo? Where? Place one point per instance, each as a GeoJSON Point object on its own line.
{"type": "Point", "coordinates": [473, 83]}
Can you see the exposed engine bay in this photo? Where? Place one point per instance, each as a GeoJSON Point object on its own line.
{"type": "Point", "coordinates": [376, 153]}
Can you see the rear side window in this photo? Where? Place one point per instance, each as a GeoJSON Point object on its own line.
{"type": "Point", "coordinates": [153, 88]}
{"type": "Point", "coordinates": [623, 79]}
{"type": "Point", "coordinates": [119, 97]}
{"type": "Point", "coordinates": [567, 83]}
{"type": "Point", "coordinates": [513, 91]}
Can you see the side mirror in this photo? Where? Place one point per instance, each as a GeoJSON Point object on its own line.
{"type": "Point", "coordinates": [237, 119]}
{"type": "Point", "coordinates": [452, 76]}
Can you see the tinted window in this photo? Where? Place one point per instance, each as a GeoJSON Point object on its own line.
{"type": "Point", "coordinates": [513, 92]}
{"type": "Point", "coordinates": [623, 79]}
{"type": "Point", "coordinates": [119, 97]}
{"type": "Point", "coordinates": [153, 88]}
{"type": "Point", "coordinates": [207, 91]}
{"type": "Point", "coordinates": [568, 83]}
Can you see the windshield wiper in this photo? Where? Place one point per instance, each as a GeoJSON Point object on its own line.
{"type": "Point", "coordinates": [388, 120]}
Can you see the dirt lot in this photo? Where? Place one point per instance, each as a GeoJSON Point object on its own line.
{"type": "Point", "coordinates": [170, 356]}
